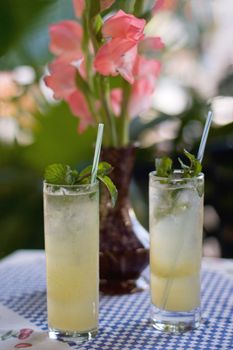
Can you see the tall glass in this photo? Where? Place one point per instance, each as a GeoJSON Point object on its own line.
{"type": "Point", "coordinates": [176, 220]}
{"type": "Point", "coordinates": [71, 220]}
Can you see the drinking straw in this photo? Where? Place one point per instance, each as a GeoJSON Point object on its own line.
{"type": "Point", "coordinates": [97, 153]}
{"type": "Point", "coordinates": [205, 133]}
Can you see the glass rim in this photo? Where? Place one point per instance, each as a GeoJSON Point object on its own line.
{"type": "Point", "coordinates": [45, 183]}
{"type": "Point", "coordinates": [153, 175]}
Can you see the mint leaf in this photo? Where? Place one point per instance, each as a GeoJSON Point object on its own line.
{"type": "Point", "coordinates": [110, 186]}
{"type": "Point", "coordinates": [104, 168]}
{"type": "Point", "coordinates": [60, 174]}
{"type": "Point", "coordinates": [56, 174]}
{"type": "Point", "coordinates": [85, 175]}
{"type": "Point", "coordinates": [195, 165]}
{"type": "Point", "coordinates": [163, 166]}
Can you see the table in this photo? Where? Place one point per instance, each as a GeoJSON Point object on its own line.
{"type": "Point", "coordinates": [124, 320]}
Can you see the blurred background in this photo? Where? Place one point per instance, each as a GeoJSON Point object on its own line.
{"type": "Point", "coordinates": [36, 131]}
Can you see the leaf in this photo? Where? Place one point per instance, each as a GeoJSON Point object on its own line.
{"type": "Point", "coordinates": [97, 24]}
{"type": "Point", "coordinates": [60, 174]}
{"type": "Point", "coordinates": [85, 172]}
{"type": "Point", "coordinates": [104, 168]}
{"type": "Point", "coordinates": [110, 186]}
{"type": "Point", "coordinates": [163, 166]}
{"type": "Point", "coordinates": [71, 176]}
{"type": "Point", "coordinates": [56, 174]}
{"type": "Point", "coordinates": [195, 165]}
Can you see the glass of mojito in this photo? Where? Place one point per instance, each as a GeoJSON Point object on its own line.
{"type": "Point", "coordinates": [71, 220]}
{"type": "Point", "coordinates": [176, 219]}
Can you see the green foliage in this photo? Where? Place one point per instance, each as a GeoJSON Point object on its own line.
{"type": "Point", "coordinates": [57, 140]}
{"type": "Point", "coordinates": [24, 30]}
{"type": "Point", "coordinates": [194, 168]}
{"type": "Point", "coordinates": [60, 174]}
{"type": "Point", "coordinates": [110, 186]}
{"type": "Point", "coordinates": [163, 166]}
{"type": "Point", "coordinates": [21, 207]}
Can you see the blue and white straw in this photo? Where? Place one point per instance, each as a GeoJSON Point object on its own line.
{"type": "Point", "coordinates": [97, 153]}
{"type": "Point", "coordinates": [205, 133]}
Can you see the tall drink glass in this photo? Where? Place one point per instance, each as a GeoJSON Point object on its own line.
{"type": "Point", "coordinates": [71, 220]}
{"type": "Point", "coordinates": [176, 219]}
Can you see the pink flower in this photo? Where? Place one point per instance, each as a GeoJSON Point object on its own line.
{"type": "Point", "coordinates": [61, 79]}
{"type": "Point", "coordinates": [141, 95]}
{"type": "Point", "coordinates": [80, 109]}
{"type": "Point", "coordinates": [144, 67]}
{"type": "Point", "coordinates": [115, 99]}
{"type": "Point", "coordinates": [78, 6]}
{"type": "Point", "coordinates": [125, 26]}
{"type": "Point", "coordinates": [161, 5]}
{"type": "Point", "coordinates": [150, 45]}
{"type": "Point", "coordinates": [116, 57]}
{"type": "Point", "coordinates": [146, 73]}
{"type": "Point", "coordinates": [66, 37]}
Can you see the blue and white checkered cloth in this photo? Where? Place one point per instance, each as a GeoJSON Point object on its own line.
{"type": "Point", "coordinates": [124, 320]}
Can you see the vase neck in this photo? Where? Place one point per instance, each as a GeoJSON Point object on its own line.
{"type": "Point", "coordinates": [122, 160]}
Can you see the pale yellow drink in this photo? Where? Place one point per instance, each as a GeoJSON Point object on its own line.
{"type": "Point", "coordinates": [72, 259]}
{"type": "Point", "coordinates": [176, 219]}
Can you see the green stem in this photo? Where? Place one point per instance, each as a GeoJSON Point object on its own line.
{"type": "Point", "coordinates": [90, 32]}
{"type": "Point", "coordinates": [85, 47]}
{"type": "Point", "coordinates": [129, 5]}
{"type": "Point", "coordinates": [138, 8]}
{"type": "Point", "coordinates": [104, 96]}
{"type": "Point", "coordinates": [123, 123]}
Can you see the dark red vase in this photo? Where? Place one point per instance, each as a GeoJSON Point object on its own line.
{"type": "Point", "coordinates": [124, 243]}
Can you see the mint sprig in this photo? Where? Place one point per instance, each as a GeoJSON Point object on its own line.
{"type": "Point", "coordinates": [60, 174]}
{"type": "Point", "coordinates": [164, 166]}
{"type": "Point", "coordinates": [194, 168]}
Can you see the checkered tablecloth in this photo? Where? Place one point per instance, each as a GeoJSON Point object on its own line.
{"type": "Point", "coordinates": [124, 320]}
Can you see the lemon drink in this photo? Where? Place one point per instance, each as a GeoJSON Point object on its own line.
{"type": "Point", "coordinates": [71, 216]}
{"type": "Point", "coordinates": [176, 219]}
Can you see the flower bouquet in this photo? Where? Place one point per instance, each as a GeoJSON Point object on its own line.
{"type": "Point", "coordinates": [106, 70]}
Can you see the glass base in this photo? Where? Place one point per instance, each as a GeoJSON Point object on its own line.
{"type": "Point", "coordinates": [72, 336]}
{"type": "Point", "coordinates": [174, 321]}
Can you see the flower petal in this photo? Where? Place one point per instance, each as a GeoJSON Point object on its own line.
{"type": "Point", "coordinates": [61, 79]}
{"type": "Point", "coordinates": [115, 99]}
{"type": "Point", "coordinates": [78, 6]}
{"type": "Point", "coordinates": [117, 57]}
{"type": "Point", "coordinates": [144, 67]}
{"type": "Point", "coordinates": [146, 73]}
{"type": "Point", "coordinates": [125, 26]}
{"type": "Point", "coordinates": [79, 108]}
{"type": "Point", "coordinates": [66, 39]}
{"type": "Point", "coordinates": [150, 45]}
{"type": "Point", "coordinates": [140, 99]}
